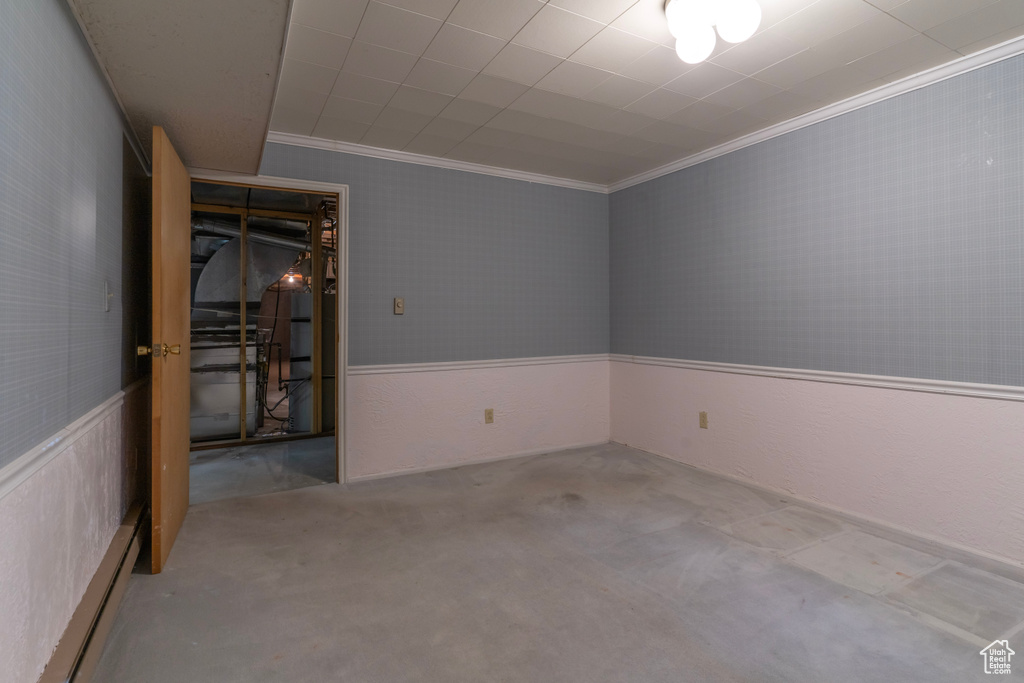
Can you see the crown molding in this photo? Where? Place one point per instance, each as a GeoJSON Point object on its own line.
{"type": "Point", "coordinates": [423, 160]}
{"type": "Point", "coordinates": [977, 60]}
{"type": "Point", "coordinates": [997, 53]}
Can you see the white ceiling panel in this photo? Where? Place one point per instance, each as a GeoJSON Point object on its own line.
{"type": "Point", "coordinates": [363, 88]}
{"type": "Point", "coordinates": [611, 49]}
{"type": "Point", "coordinates": [397, 28]}
{"type": "Point", "coordinates": [557, 31]}
{"type": "Point", "coordinates": [334, 16]}
{"type": "Point", "coordinates": [593, 89]}
{"type": "Point", "coordinates": [500, 19]}
{"type": "Point", "coordinates": [377, 62]}
{"type": "Point", "coordinates": [463, 47]}
{"type": "Point", "coordinates": [494, 91]}
{"type": "Point", "coordinates": [570, 78]}
{"type": "Point", "coordinates": [317, 47]}
{"type": "Point", "coordinates": [439, 77]}
{"type": "Point", "coordinates": [521, 64]}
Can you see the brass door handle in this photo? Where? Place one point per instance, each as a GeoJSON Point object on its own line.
{"type": "Point", "coordinates": [161, 350]}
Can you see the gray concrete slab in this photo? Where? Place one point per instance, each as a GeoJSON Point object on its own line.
{"type": "Point", "coordinates": [786, 529]}
{"type": "Point", "coordinates": [257, 468]}
{"type": "Point", "coordinates": [973, 600]}
{"type": "Point", "coordinates": [865, 562]}
{"type": "Point", "coordinates": [522, 570]}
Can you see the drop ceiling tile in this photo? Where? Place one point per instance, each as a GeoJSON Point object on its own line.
{"type": "Point", "coordinates": [762, 50]}
{"type": "Point", "coordinates": [472, 152]}
{"type": "Point", "coordinates": [877, 33]}
{"type": "Point", "coordinates": [834, 85]}
{"type": "Point", "coordinates": [612, 49]}
{"type": "Point", "coordinates": [886, 5]}
{"type": "Point", "coordinates": [469, 111]}
{"type": "Point", "coordinates": [419, 101]}
{"type": "Point", "coordinates": [647, 20]}
{"type": "Point", "coordinates": [317, 47]}
{"type": "Point", "coordinates": [295, 121]}
{"type": "Point", "coordinates": [335, 16]}
{"type": "Point", "coordinates": [463, 47]}
{"type": "Point", "coordinates": [774, 11]}
{"type": "Point", "coordinates": [822, 20]}
{"type": "Point", "coordinates": [618, 144]}
{"type": "Point", "coordinates": [664, 133]}
{"type": "Point", "coordinates": [378, 62]}
{"type": "Point", "coordinates": [340, 129]}
{"type": "Point", "coordinates": [742, 94]}
{"type": "Point", "coordinates": [570, 78]}
{"type": "Point", "coordinates": [903, 55]}
{"type": "Point", "coordinates": [494, 137]}
{"type": "Point", "coordinates": [781, 106]}
{"type": "Point", "coordinates": [352, 110]}
{"type": "Point", "coordinates": [703, 79]}
{"type": "Point", "coordinates": [308, 76]}
{"type": "Point", "coordinates": [624, 122]}
{"type": "Point", "coordinates": [356, 87]}
{"type": "Point", "coordinates": [439, 77]}
{"type": "Point", "coordinates": [660, 104]}
{"type": "Point", "coordinates": [604, 11]}
{"type": "Point", "coordinates": [400, 119]}
{"type": "Point", "coordinates": [700, 114]}
{"type": "Point", "coordinates": [922, 15]}
{"type": "Point", "coordinates": [522, 64]}
{"type": "Point", "coordinates": [520, 122]}
{"type": "Point", "coordinates": [734, 124]}
{"type": "Point", "coordinates": [618, 91]}
{"type": "Point", "coordinates": [438, 9]}
{"type": "Point", "coordinates": [387, 138]}
{"type": "Point", "coordinates": [500, 19]}
{"type": "Point", "coordinates": [554, 106]}
{"type": "Point", "coordinates": [449, 128]}
{"type": "Point", "coordinates": [557, 32]}
{"type": "Point", "coordinates": [492, 90]}
{"type": "Point", "coordinates": [798, 68]}
{"type": "Point", "coordinates": [430, 145]}
{"type": "Point", "coordinates": [918, 68]}
{"type": "Point", "coordinates": [991, 40]}
{"type": "Point", "coordinates": [300, 99]}
{"type": "Point", "coordinates": [976, 26]}
{"type": "Point", "coordinates": [657, 67]}
{"type": "Point", "coordinates": [396, 28]}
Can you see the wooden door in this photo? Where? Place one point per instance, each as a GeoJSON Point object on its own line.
{"type": "Point", "coordinates": [172, 218]}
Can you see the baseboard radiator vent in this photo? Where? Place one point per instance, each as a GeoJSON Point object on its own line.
{"type": "Point", "coordinates": [80, 647]}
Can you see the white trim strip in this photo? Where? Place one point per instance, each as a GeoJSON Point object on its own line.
{"type": "Point", "coordinates": [997, 53]}
{"type": "Point", "coordinates": [545, 450]}
{"type": "Point", "coordinates": [931, 386]}
{"type": "Point", "coordinates": [473, 364]}
{"type": "Point", "coordinates": [439, 162]}
{"type": "Point", "coordinates": [20, 470]}
{"type": "Point", "coordinates": [265, 180]}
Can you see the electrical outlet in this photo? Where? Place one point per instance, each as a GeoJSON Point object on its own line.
{"type": "Point", "coordinates": [703, 419]}
{"type": "Point", "coordinates": [489, 416]}
{"type": "Point", "coordinates": [399, 306]}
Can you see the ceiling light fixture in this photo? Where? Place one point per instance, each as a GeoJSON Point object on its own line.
{"type": "Point", "coordinates": [693, 23]}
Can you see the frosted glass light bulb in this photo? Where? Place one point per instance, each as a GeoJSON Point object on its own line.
{"type": "Point", "coordinates": [696, 43]}
{"type": "Point", "coordinates": [738, 19]}
{"type": "Point", "coordinates": [682, 13]}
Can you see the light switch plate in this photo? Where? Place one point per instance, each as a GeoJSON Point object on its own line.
{"type": "Point", "coordinates": [399, 305]}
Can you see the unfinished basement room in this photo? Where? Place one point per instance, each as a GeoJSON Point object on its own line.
{"type": "Point", "coordinates": [470, 341]}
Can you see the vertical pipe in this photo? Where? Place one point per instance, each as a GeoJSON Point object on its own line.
{"type": "Point", "coordinates": [243, 300]}
{"type": "Point", "coordinates": [316, 234]}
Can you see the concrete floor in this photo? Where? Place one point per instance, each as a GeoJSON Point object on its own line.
{"type": "Point", "coordinates": [256, 468]}
{"type": "Point", "coordinates": [594, 565]}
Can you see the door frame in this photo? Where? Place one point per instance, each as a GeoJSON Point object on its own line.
{"type": "Point", "coordinates": [341, 358]}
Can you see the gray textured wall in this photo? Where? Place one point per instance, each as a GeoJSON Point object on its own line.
{"type": "Point", "coordinates": [60, 227]}
{"type": "Point", "coordinates": [489, 267]}
{"type": "Point", "coordinates": [888, 241]}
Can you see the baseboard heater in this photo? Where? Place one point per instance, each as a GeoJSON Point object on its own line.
{"type": "Point", "coordinates": [80, 647]}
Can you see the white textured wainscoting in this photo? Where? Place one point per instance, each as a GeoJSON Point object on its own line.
{"type": "Point", "coordinates": [941, 460]}
{"type": "Point", "coordinates": [60, 505]}
{"type": "Point", "coordinates": [428, 416]}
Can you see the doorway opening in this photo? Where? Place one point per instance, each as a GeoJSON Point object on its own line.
{"type": "Point", "coordinates": [265, 272]}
